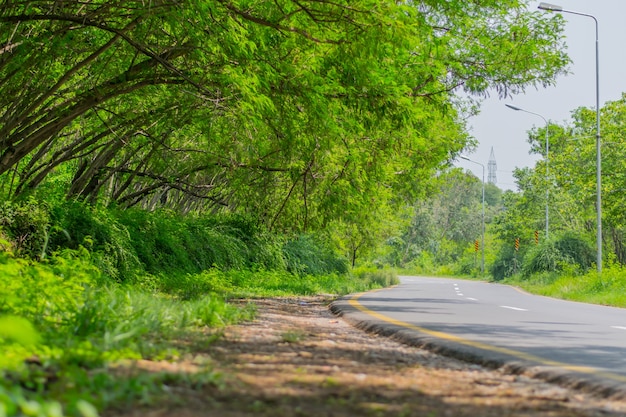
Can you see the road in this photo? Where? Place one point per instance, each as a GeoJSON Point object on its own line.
{"type": "Point", "coordinates": [499, 321]}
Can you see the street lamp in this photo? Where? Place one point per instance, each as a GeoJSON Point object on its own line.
{"type": "Point", "coordinates": [510, 106]}
{"type": "Point", "coordinates": [554, 8]}
{"type": "Point", "coordinates": [482, 267]}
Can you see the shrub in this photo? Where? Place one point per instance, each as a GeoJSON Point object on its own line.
{"type": "Point", "coordinates": [423, 263]}
{"type": "Point", "coordinates": [576, 248]}
{"type": "Point", "coordinates": [307, 255]}
{"type": "Point", "coordinates": [506, 263]}
{"type": "Point", "coordinates": [77, 224]}
{"type": "Point", "coordinates": [26, 224]}
{"type": "Point", "coordinates": [167, 242]}
{"type": "Point", "coordinates": [556, 255]}
{"type": "Point", "coordinates": [376, 278]}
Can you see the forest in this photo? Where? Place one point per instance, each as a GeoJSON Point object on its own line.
{"type": "Point", "coordinates": [159, 159]}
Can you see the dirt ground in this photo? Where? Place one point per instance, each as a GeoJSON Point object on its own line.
{"type": "Point", "coordinates": [298, 359]}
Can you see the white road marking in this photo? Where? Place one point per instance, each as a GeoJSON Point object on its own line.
{"type": "Point", "coordinates": [473, 299]}
{"type": "Point", "coordinates": [514, 308]}
{"type": "Point", "coordinates": [619, 327]}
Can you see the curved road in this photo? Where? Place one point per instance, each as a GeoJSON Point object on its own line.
{"type": "Point", "coordinates": [582, 343]}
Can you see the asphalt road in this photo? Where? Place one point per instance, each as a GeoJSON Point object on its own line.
{"type": "Point", "coordinates": [576, 342]}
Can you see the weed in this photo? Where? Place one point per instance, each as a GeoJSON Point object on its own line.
{"type": "Point", "coordinates": [293, 336]}
{"type": "Point", "coordinates": [330, 382]}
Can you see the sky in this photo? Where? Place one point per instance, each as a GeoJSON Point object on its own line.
{"type": "Point", "coordinates": [506, 130]}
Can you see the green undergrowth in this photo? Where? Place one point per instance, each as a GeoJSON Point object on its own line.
{"type": "Point", "coordinates": [263, 283]}
{"type": "Point", "coordinates": [66, 329]}
{"type": "Point", "coordinates": [61, 329]}
{"type": "Point", "coordinates": [608, 288]}
{"type": "Point", "coordinates": [87, 292]}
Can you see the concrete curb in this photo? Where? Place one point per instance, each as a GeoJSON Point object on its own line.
{"type": "Point", "coordinates": [584, 382]}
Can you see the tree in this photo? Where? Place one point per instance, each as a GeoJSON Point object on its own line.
{"type": "Point", "coordinates": [572, 183]}
{"type": "Point", "coordinates": [299, 112]}
{"type": "Point", "coordinates": [449, 221]}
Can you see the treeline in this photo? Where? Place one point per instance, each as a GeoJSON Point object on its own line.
{"type": "Point", "coordinates": [443, 229]}
{"type": "Point", "coordinates": [571, 187]}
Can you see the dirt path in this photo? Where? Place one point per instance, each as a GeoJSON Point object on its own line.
{"type": "Point", "coordinates": [298, 359]}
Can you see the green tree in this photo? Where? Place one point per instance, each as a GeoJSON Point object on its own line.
{"type": "Point", "coordinates": [449, 221]}
{"type": "Point", "coordinates": [298, 112]}
{"type": "Point", "coordinates": [572, 180]}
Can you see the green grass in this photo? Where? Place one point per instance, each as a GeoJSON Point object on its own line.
{"type": "Point", "coordinates": [63, 325]}
{"type": "Point", "coordinates": [609, 288]}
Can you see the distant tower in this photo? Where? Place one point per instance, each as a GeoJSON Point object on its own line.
{"type": "Point", "coordinates": [492, 167]}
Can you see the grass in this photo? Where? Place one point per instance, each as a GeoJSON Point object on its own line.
{"type": "Point", "coordinates": [65, 335]}
{"type": "Point", "coordinates": [293, 336]}
{"type": "Point", "coordinates": [605, 289]}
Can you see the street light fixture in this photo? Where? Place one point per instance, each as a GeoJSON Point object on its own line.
{"type": "Point", "coordinates": [510, 106]}
{"type": "Point", "coordinates": [482, 265]}
{"type": "Point", "coordinates": [554, 8]}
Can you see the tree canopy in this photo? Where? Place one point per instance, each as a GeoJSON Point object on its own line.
{"type": "Point", "coordinates": [300, 112]}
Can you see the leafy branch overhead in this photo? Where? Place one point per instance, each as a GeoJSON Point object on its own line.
{"type": "Point", "coordinates": [297, 111]}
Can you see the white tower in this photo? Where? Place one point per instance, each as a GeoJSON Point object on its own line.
{"type": "Point", "coordinates": [492, 168]}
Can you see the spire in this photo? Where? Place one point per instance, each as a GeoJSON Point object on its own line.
{"type": "Point", "coordinates": [492, 168]}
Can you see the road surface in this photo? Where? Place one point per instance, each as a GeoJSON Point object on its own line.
{"type": "Point", "coordinates": [579, 343]}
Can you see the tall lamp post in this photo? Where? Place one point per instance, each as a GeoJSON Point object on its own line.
{"type": "Point", "coordinates": [554, 8]}
{"type": "Point", "coordinates": [510, 106]}
{"type": "Point", "coordinates": [482, 264]}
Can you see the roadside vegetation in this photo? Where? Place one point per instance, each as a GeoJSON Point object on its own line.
{"type": "Point", "coordinates": [444, 236]}
{"type": "Point", "coordinates": [80, 305]}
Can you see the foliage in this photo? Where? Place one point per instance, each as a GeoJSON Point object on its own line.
{"type": "Point", "coordinates": [127, 244]}
{"type": "Point", "coordinates": [375, 277]}
{"type": "Point", "coordinates": [571, 187]}
{"type": "Point", "coordinates": [564, 252]}
{"type": "Point", "coordinates": [80, 328]}
{"type": "Point", "coordinates": [300, 113]}
{"type": "Point", "coordinates": [506, 263]}
{"type": "Point", "coordinates": [571, 284]}
{"type": "Point", "coordinates": [422, 264]}
{"type": "Point", "coordinates": [75, 224]}
{"type": "Point", "coordinates": [64, 326]}
{"type": "Point", "coordinates": [307, 255]}
{"type": "Point", "coordinates": [166, 243]}
{"type": "Point", "coordinates": [27, 225]}
{"type": "Point", "coordinates": [443, 226]}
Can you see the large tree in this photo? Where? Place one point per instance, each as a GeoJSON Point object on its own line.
{"type": "Point", "coordinates": [301, 112]}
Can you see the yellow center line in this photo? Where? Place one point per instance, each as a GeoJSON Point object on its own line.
{"type": "Point", "coordinates": [354, 302]}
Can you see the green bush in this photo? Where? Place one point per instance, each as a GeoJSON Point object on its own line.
{"type": "Point", "coordinates": [27, 224]}
{"type": "Point", "coordinates": [47, 293]}
{"type": "Point", "coordinates": [506, 264]}
{"type": "Point", "coordinates": [556, 255]}
{"type": "Point", "coordinates": [77, 224]}
{"type": "Point", "coordinates": [168, 242]}
{"type": "Point", "coordinates": [423, 263]}
{"type": "Point", "coordinates": [578, 249]}
{"type": "Point", "coordinates": [376, 278]}
{"type": "Point", "coordinates": [307, 255]}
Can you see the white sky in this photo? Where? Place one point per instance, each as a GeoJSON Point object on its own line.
{"type": "Point", "coordinates": [506, 130]}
